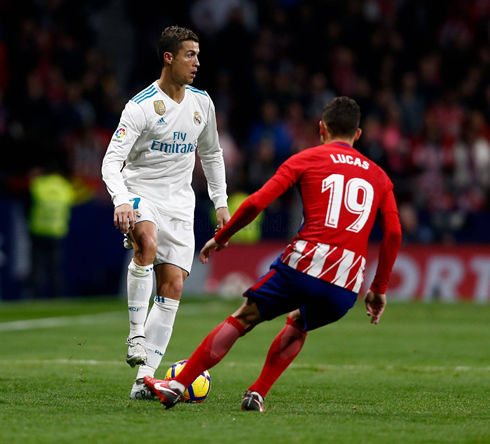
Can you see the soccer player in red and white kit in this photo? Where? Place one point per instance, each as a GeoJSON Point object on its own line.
{"type": "Point", "coordinates": [317, 279]}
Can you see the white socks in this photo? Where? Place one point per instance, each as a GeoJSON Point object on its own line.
{"type": "Point", "coordinates": [158, 330]}
{"type": "Point", "coordinates": [140, 287]}
{"type": "Point", "coordinates": [158, 327]}
{"type": "Point", "coordinates": [145, 370]}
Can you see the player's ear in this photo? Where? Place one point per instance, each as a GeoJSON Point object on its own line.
{"type": "Point", "coordinates": [322, 130]}
{"type": "Point", "coordinates": [358, 134]}
{"type": "Point", "coordinates": [168, 57]}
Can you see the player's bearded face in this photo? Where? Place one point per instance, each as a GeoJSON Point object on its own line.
{"type": "Point", "coordinates": [186, 62]}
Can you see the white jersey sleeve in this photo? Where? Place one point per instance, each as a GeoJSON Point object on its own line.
{"type": "Point", "coordinates": [130, 127]}
{"type": "Point", "coordinates": [211, 155]}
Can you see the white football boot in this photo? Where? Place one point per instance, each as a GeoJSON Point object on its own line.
{"type": "Point", "coordinates": [140, 391]}
{"type": "Point", "coordinates": [136, 351]}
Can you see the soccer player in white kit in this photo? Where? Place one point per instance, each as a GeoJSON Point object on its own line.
{"type": "Point", "coordinates": [148, 170]}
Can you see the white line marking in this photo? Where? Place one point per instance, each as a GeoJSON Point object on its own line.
{"type": "Point", "coordinates": [63, 321]}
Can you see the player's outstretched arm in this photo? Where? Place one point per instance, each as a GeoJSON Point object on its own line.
{"type": "Point", "coordinates": [211, 245]}
{"type": "Point", "coordinates": [375, 304]}
{"type": "Point", "coordinates": [124, 218]}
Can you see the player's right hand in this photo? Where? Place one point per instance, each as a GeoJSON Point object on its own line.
{"type": "Point", "coordinates": [211, 245]}
{"type": "Point", "coordinates": [124, 218]}
{"type": "Point", "coordinates": [375, 304]}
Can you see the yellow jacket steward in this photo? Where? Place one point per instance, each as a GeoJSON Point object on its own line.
{"type": "Point", "coordinates": [52, 199]}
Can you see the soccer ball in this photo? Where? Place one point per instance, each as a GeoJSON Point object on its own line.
{"type": "Point", "coordinates": [199, 390]}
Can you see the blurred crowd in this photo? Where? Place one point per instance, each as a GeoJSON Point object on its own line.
{"type": "Point", "coordinates": [420, 70]}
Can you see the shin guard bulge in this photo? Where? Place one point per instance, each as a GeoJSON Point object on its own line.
{"type": "Point", "coordinates": [140, 286]}
{"type": "Point", "coordinates": [159, 327]}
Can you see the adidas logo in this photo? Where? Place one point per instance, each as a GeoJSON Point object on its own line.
{"type": "Point", "coordinates": [161, 122]}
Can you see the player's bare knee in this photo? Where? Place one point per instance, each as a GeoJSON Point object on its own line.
{"type": "Point", "coordinates": [148, 243]}
{"type": "Point", "coordinates": [297, 317]}
{"type": "Point", "coordinates": [248, 322]}
{"type": "Point", "coordinates": [248, 315]}
{"type": "Point", "coordinates": [252, 324]}
{"type": "Point", "coordinates": [145, 248]}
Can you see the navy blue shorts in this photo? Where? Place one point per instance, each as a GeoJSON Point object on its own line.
{"type": "Point", "coordinates": [284, 289]}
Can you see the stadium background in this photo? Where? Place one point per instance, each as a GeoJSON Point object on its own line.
{"type": "Point", "coordinates": [419, 70]}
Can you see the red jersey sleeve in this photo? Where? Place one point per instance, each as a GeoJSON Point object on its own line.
{"type": "Point", "coordinates": [392, 236]}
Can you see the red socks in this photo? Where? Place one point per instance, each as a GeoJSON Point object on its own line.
{"type": "Point", "coordinates": [212, 350]}
{"type": "Point", "coordinates": [284, 349]}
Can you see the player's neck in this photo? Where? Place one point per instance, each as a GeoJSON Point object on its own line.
{"type": "Point", "coordinates": [327, 140]}
{"type": "Point", "coordinates": [174, 90]}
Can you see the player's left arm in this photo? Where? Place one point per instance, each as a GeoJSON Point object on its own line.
{"type": "Point", "coordinates": [213, 165]}
{"type": "Point", "coordinates": [131, 125]}
{"type": "Point", "coordinates": [390, 245]}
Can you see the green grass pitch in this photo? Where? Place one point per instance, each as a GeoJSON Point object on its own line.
{"type": "Point", "coordinates": [421, 376]}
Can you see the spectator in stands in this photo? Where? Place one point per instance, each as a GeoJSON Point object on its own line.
{"type": "Point", "coordinates": [411, 105]}
{"type": "Point", "coordinates": [416, 62]}
{"type": "Point", "coordinates": [270, 130]}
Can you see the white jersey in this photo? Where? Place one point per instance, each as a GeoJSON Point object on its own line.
{"type": "Point", "coordinates": [152, 153]}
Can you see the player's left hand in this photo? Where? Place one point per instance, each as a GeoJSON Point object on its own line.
{"type": "Point", "coordinates": [375, 304]}
{"type": "Point", "coordinates": [211, 245]}
{"type": "Point", "coordinates": [222, 216]}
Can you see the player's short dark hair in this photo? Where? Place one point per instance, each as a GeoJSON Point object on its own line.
{"type": "Point", "coordinates": [171, 40]}
{"type": "Point", "coordinates": [342, 116]}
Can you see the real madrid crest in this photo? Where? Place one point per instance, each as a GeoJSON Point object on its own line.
{"type": "Point", "coordinates": [159, 107]}
{"type": "Point", "coordinates": [197, 118]}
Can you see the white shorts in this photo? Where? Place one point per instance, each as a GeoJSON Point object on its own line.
{"type": "Point", "coordinates": [176, 242]}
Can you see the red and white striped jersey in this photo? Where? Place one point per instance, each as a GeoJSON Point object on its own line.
{"type": "Point", "coordinates": [336, 265]}
{"type": "Point", "coordinates": [342, 192]}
